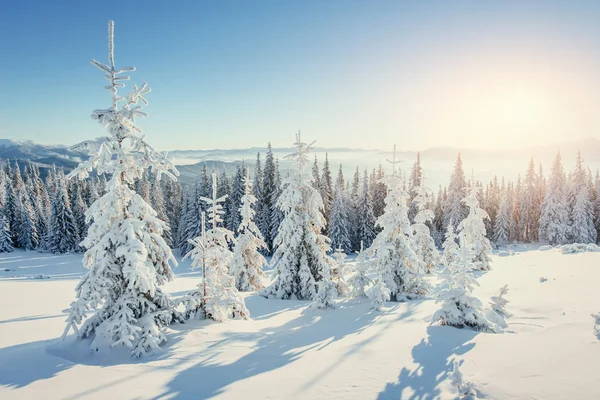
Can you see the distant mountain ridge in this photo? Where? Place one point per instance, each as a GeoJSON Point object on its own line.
{"type": "Point", "coordinates": [437, 162]}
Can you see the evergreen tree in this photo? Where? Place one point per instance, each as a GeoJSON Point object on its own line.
{"type": "Point", "coordinates": [424, 243]}
{"type": "Point", "coordinates": [276, 214]}
{"type": "Point", "coordinates": [396, 263]}
{"type": "Point", "coordinates": [173, 203]}
{"type": "Point", "coordinates": [246, 264]}
{"type": "Point", "coordinates": [269, 198]}
{"type": "Point", "coordinates": [353, 206]}
{"type": "Point", "coordinates": [217, 296]}
{"type": "Point", "coordinates": [459, 307]}
{"type": "Point", "coordinates": [143, 186]}
{"type": "Point", "coordinates": [502, 224]}
{"type": "Point", "coordinates": [338, 229]}
{"type": "Point", "coordinates": [360, 280]}
{"type": "Point", "coordinates": [528, 206]}
{"type": "Point", "coordinates": [438, 219]}
{"type": "Point", "coordinates": [516, 209]}
{"type": "Point", "coordinates": [234, 219]}
{"type": "Point", "coordinates": [316, 183]}
{"type": "Point", "coordinates": [25, 220]}
{"type": "Point", "coordinates": [454, 208]}
{"type": "Point", "coordinates": [583, 229]}
{"type": "Point", "coordinates": [326, 190]}
{"type": "Point", "coordinates": [79, 208]}
{"type": "Point", "coordinates": [416, 180]}
{"type": "Point", "coordinates": [471, 232]}
{"type": "Point", "coordinates": [450, 246]}
{"type": "Point", "coordinates": [379, 191]}
{"type": "Point", "coordinates": [492, 206]}
{"type": "Point", "coordinates": [301, 249]}
{"type": "Point", "coordinates": [365, 228]}
{"type": "Point", "coordinates": [326, 290]}
{"type": "Point", "coordinates": [63, 235]}
{"type": "Point", "coordinates": [126, 257]}
{"type": "Point", "coordinates": [554, 220]}
{"type": "Point", "coordinates": [6, 244]}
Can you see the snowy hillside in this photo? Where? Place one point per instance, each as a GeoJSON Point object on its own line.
{"type": "Point", "coordinates": [549, 350]}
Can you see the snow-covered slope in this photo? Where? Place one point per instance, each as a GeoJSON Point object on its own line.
{"type": "Point", "coordinates": [286, 351]}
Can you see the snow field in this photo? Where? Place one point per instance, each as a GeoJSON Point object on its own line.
{"type": "Point", "coordinates": [549, 350]}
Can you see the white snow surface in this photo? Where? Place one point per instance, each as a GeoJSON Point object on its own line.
{"type": "Point", "coordinates": [286, 351]}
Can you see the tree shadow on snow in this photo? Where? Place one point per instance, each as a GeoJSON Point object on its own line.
{"type": "Point", "coordinates": [272, 348]}
{"type": "Point", "coordinates": [434, 356]}
{"type": "Point", "coordinates": [26, 363]}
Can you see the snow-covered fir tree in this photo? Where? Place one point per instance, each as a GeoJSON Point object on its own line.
{"type": "Point", "coordinates": [554, 220]}
{"type": "Point", "coordinates": [424, 243]}
{"type": "Point", "coordinates": [529, 209]}
{"type": "Point", "coordinates": [498, 308]}
{"type": "Point", "coordinates": [437, 230]}
{"type": "Point", "coordinates": [459, 308]}
{"type": "Point", "coordinates": [365, 227]}
{"type": "Point", "coordinates": [79, 208]}
{"type": "Point", "coordinates": [190, 225]}
{"type": "Point", "coordinates": [465, 389]}
{"type": "Point", "coordinates": [276, 213]}
{"type": "Point", "coordinates": [502, 224]}
{"type": "Point", "coordinates": [327, 291]}
{"type": "Point", "coordinates": [6, 244]}
{"type": "Point", "coordinates": [450, 246]}
{"type": "Point", "coordinates": [157, 200]}
{"type": "Point", "coordinates": [338, 229]}
{"type": "Point", "coordinates": [378, 293]}
{"type": "Point", "coordinates": [127, 258]}
{"type": "Point", "coordinates": [269, 198]}
{"type": "Point", "coordinates": [416, 180]}
{"type": "Point", "coordinates": [326, 189]}
{"type": "Point", "coordinates": [173, 203]}
{"type": "Point", "coordinates": [360, 280]}
{"type": "Point", "coordinates": [234, 218]}
{"type": "Point", "coordinates": [316, 175]}
{"type": "Point", "coordinates": [454, 208]}
{"type": "Point", "coordinates": [25, 229]}
{"type": "Point", "coordinates": [217, 297]}
{"type": "Point", "coordinates": [471, 232]}
{"type": "Point", "coordinates": [397, 265]}
{"type": "Point", "coordinates": [583, 229]}
{"type": "Point", "coordinates": [341, 281]}
{"type": "Point", "coordinates": [63, 235]}
{"type": "Point", "coordinates": [301, 249]}
{"type": "Point", "coordinates": [378, 191]}
{"type": "Point", "coordinates": [353, 198]}
{"type": "Point", "coordinates": [247, 263]}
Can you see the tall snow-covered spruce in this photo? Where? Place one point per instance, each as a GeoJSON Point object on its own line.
{"type": "Point", "coordinates": [127, 258]}
{"type": "Point", "coordinates": [398, 267]}
{"type": "Point", "coordinates": [301, 254]}
{"type": "Point", "coordinates": [246, 264]}
{"type": "Point", "coordinates": [424, 243]}
{"type": "Point", "coordinates": [217, 296]}
{"type": "Point", "coordinates": [471, 231]}
{"type": "Point", "coordinates": [6, 244]}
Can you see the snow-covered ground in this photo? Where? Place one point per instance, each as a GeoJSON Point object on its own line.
{"type": "Point", "coordinates": [550, 349]}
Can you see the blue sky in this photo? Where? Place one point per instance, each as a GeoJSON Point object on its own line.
{"type": "Point", "coordinates": [348, 73]}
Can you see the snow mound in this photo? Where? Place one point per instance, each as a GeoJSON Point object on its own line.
{"type": "Point", "coordinates": [545, 248]}
{"type": "Point", "coordinates": [579, 248]}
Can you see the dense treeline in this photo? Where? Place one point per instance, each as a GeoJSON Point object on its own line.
{"type": "Point", "coordinates": [49, 214]}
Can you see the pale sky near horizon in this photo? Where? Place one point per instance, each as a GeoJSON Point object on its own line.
{"type": "Point", "coordinates": [233, 74]}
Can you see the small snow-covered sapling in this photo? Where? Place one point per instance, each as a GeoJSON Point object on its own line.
{"type": "Point", "coordinates": [465, 389]}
